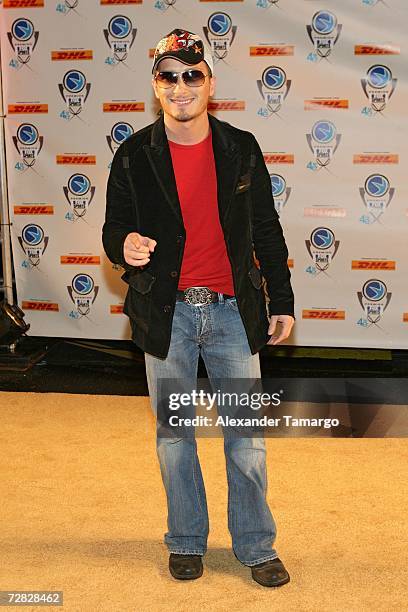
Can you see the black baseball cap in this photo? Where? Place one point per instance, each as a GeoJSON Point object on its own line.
{"type": "Point", "coordinates": [184, 46]}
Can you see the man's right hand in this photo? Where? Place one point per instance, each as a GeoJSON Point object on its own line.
{"type": "Point", "coordinates": [137, 249]}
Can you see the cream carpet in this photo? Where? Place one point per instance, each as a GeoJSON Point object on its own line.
{"type": "Point", "coordinates": [83, 511]}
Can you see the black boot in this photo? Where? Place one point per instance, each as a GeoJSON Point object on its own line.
{"type": "Point", "coordinates": [270, 573]}
{"type": "Point", "coordinates": [185, 567]}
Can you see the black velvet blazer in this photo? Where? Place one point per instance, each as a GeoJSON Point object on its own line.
{"type": "Point", "coordinates": [142, 197]}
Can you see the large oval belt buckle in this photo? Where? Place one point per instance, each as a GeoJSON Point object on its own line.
{"type": "Point", "coordinates": [198, 296]}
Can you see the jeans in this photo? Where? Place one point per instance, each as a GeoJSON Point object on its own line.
{"type": "Point", "coordinates": [217, 332]}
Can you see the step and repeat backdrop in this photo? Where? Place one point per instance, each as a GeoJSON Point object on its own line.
{"type": "Point", "coordinates": [322, 85]}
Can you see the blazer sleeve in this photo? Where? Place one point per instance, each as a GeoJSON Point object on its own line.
{"type": "Point", "coordinates": [120, 214]}
{"type": "Point", "coordinates": [269, 242]}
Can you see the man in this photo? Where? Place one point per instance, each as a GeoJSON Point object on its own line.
{"type": "Point", "coordinates": [188, 201]}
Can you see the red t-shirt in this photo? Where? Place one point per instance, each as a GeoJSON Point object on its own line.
{"type": "Point", "coordinates": [205, 261]}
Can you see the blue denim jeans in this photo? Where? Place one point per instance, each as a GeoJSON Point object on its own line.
{"type": "Point", "coordinates": [217, 333]}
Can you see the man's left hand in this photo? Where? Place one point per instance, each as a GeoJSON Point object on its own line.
{"type": "Point", "coordinates": [285, 327]}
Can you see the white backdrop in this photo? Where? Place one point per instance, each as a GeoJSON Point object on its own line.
{"type": "Point", "coordinates": [322, 85]}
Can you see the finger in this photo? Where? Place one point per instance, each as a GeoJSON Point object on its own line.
{"type": "Point", "coordinates": [272, 325]}
{"type": "Point", "coordinates": [278, 339]}
{"type": "Point", "coordinates": [137, 262]}
{"type": "Point", "coordinates": [137, 252]}
{"type": "Point", "coordinates": [284, 332]}
{"type": "Point", "coordinates": [139, 242]}
{"type": "Point", "coordinates": [151, 244]}
{"type": "Point", "coordinates": [139, 249]}
{"type": "Point", "coordinates": [135, 241]}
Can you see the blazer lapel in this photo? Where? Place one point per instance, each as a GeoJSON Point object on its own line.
{"type": "Point", "coordinates": [227, 159]}
{"type": "Point", "coordinates": [158, 154]}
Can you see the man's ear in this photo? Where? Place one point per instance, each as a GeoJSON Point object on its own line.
{"type": "Point", "coordinates": [155, 88]}
{"type": "Point", "coordinates": [213, 81]}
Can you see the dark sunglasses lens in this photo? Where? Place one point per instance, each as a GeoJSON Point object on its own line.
{"type": "Point", "coordinates": [193, 78]}
{"type": "Point", "coordinates": [166, 79]}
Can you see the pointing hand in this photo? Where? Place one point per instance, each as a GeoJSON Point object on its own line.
{"type": "Point", "coordinates": [137, 249]}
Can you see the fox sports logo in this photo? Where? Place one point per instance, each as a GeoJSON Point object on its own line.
{"type": "Point", "coordinates": [374, 290]}
{"type": "Point", "coordinates": [32, 234]}
{"type": "Point", "coordinates": [379, 76]}
{"type": "Point", "coordinates": [27, 134]}
{"type": "Point", "coordinates": [377, 185]}
{"type": "Point", "coordinates": [82, 284]}
{"type": "Point", "coordinates": [121, 132]}
{"type": "Point", "coordinates": [219, 24]}
{"type": "Point", "coordinates": [22, 29]}
{"type": "Point", "coordinates": [120, 26]}
{"type": "Point", "coordinates": [322, 238]}
{"type": "Point", "coordinates": [323, 131]}
{"type": "Point", "coordinates": [74, 81]}
{"type": "Point", "coordinates": [324, 22]}
{"type": "Point", "coordinates": [278, 185]}
{"type": "Point", "coordinates": [79, 185]}
{"type": "Point", "coordinates": [273, 77]}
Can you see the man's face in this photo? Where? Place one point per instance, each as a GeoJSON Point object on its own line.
{"type": "Point", "coordinates": [182, 102]}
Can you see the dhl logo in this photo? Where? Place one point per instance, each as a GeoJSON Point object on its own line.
{"type": "Point", "coordinates": [324, 212]}
{"type": "Point", "coordinates": [326, 103]}
{"type": "Point", "coordinates": [105, 2]}
{"type": "Point", "coordinates": [93, 260]}
{"type": "Point", "coordinates": [279, 158]}
{"type": "Point", "coordinates": [116, 308]}
{"type": "Point", "coordinates": [14, 109]}
{"type": "Point", "coordinates": [333, 315]}
{"type": "Point", "coordinates": [227, 105]}
{"type": "Point", "coordinates": [267, 50]}
{"type": "Point", "coordinates": [76, 159]}
{"type": "Point", "coordinates": [123, 107]}
{"type": "Point", "coordinates": [376, 158]}
{"type": "Point", "coordinates": [405, 317]}
{"type": "Point", "coordinates": [376, 50]}
{"type": "Point", "coordinates": [372, 264]}
{"type": "Point", "coordinates": [72, 54]}
{"type": "Point", "coordinates": [34, 209]}
{"type": "Point", "coordinates": [34, 305]}
{"type": "Point", "coordinates": [23, 3]}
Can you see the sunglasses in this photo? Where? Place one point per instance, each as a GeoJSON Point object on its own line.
{"type": "Point", "coordinates": [191, 78]}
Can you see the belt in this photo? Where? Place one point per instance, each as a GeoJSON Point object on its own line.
{"type": "Point", "coordinates": [199, 296]}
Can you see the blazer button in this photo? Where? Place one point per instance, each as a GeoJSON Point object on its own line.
{"type": "Point", "coordinates": [167, 308]}
{"type": "Point", "coordinates": [179, 239]}
{"type": "Point", "coordinates": [173, 273]}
